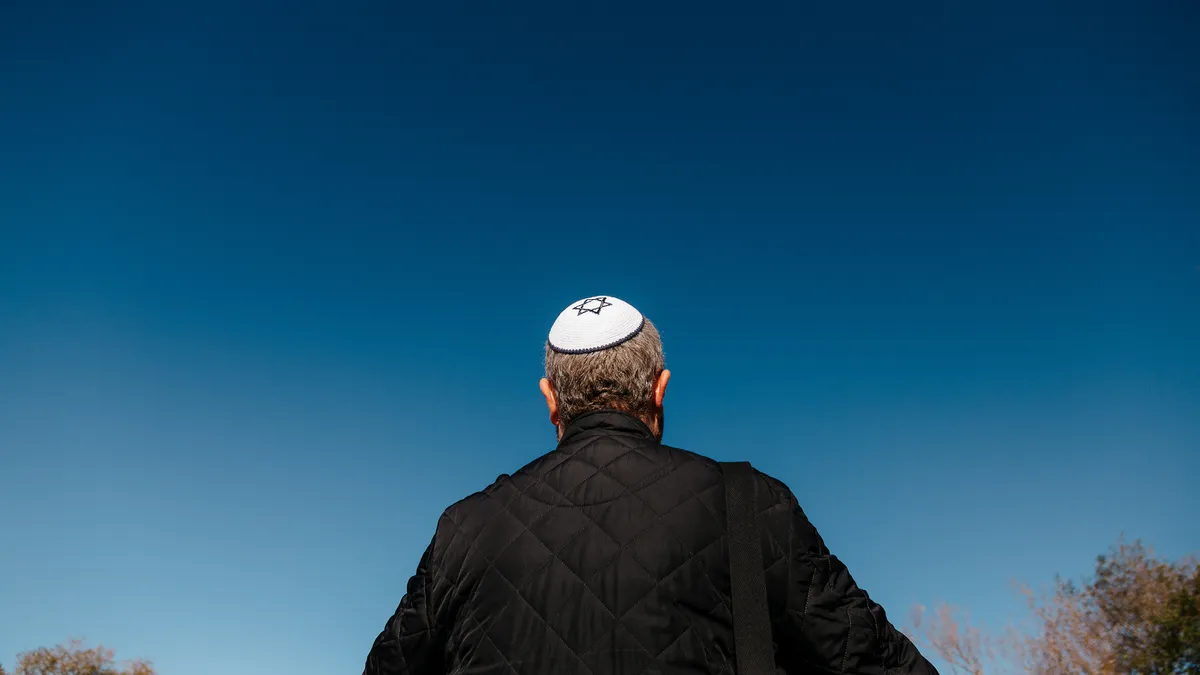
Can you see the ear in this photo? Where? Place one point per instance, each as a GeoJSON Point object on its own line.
{"type": "Point", "coordinates": [551, 400]}
{"type": "Point", "coordinates": [660, 388]}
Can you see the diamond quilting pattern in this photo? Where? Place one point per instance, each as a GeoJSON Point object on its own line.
{"type": "Point", "coordinates": [608, 555]}
{"type": "Point", "coordinates": [593, 543]}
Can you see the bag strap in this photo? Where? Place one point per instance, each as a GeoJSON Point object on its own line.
{"type": "Point", "coordinates": [753, 645]}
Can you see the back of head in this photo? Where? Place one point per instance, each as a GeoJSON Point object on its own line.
{"type": "Point", "coordinates": [602, 354]}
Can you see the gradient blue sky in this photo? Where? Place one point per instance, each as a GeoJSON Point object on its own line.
{"type": "Point", "coordinates": [274, 280]}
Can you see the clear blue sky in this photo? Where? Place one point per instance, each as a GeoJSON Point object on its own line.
{"type": "Point", "coordinates": [274, 280]}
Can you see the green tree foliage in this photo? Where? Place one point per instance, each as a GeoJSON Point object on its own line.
{"type": "Point", "coordinates": [1137, 615]}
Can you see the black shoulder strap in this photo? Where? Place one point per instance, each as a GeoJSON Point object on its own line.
{"type": "Point", "coordinates": [752, 642]}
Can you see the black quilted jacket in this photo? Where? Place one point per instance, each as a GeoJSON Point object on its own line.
{"type": "Point", "coordinates": [608, 555]}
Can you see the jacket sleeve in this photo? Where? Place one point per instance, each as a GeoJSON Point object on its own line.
{"type": "Point", "coordinates": [825, 622]}
{"type": "Point", "coordinates": [411, 642]}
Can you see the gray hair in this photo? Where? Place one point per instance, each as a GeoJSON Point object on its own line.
{"type": "Point", "coordinates": [617, 378]}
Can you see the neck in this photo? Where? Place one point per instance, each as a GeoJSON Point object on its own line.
{"type": "Point", "coordinates": [655, 423]}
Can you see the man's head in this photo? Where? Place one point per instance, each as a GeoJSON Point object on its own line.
{"type": "Point", "coordinates": [602, 354]}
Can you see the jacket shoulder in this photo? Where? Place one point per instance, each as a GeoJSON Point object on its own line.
{"type": "Point", "coordinates": [777, 490]}
{"type": "Point", "coordinates": [772, 491]}
{"type": "Point", "coordinates": [469, 508]}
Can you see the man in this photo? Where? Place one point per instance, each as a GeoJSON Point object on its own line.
{"type": "Point", "coordinates": [609, 554]}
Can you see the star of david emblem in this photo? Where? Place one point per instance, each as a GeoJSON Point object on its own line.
{"type": "Point", "coordinates": [593, 305]}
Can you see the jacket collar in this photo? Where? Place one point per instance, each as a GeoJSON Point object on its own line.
{"type": "Point", "coordinates": [605, 422]}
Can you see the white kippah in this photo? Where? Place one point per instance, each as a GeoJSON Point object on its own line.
{"type": "Point", "coordinates": [593, 324]}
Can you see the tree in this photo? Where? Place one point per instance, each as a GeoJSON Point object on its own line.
{"type": "Point", "coordinates": [948, 633]}
{"type": "Point", "coordinates": [74, 659]}
{"type": "Point", "coordinates": [1137, 615]}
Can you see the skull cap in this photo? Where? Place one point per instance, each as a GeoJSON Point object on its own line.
{"type": "Point", "coordinates": [593, 324]}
